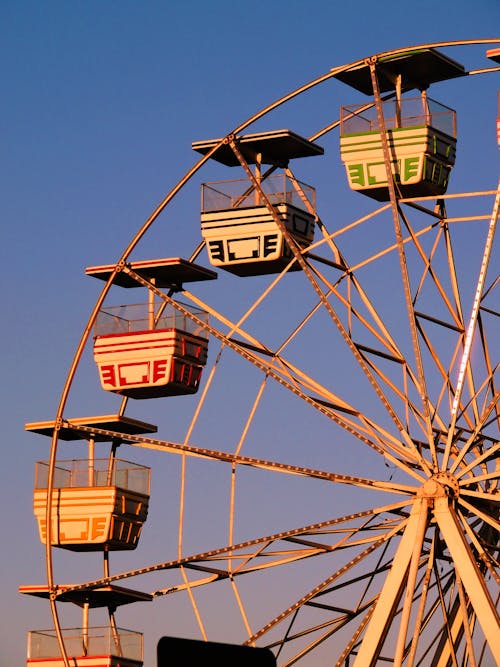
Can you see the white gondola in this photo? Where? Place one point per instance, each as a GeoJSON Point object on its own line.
{"type": "Point", "coordinates": [242, 220]}
{"type": "Point", "coordinates": [241, 233]}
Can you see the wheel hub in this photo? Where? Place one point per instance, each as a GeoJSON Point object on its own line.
{"type": "Point", "coordinates": [439, 485]}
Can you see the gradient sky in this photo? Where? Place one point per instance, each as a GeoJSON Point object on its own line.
{"type": "Point", "coordinates": [101, 101]}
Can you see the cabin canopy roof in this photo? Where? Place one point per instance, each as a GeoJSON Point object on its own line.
{"type": "Point", "coordinates": [418, 69]}
{"type": "Point", "coordinates": [274, 148]}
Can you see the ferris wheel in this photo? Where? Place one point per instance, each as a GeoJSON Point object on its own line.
{"type": "Point", "coordinates": [327, 393]}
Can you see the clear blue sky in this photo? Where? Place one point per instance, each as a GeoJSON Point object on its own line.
{"type": "Point", "coordinates": [100, 103]}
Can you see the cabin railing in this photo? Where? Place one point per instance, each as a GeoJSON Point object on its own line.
{"type": "Point", "coordinates": [241, 193]}
{"type": "Point", "coordinates": [139, 317]}
{"type": "Point", "coordinates": [92, 641]}
{"type": "Point", "coordinates": [405, 113]}
{"type": "Point", "coordinates": [80, 473]}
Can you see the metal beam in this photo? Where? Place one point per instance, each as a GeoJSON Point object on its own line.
{"type": "Point", "coordinates": [391, 592]}
{"type": "Point", "coordinates": [472, 579]}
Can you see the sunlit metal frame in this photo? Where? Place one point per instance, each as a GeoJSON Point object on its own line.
{"type": "Point", "coordinates": [450, 466]}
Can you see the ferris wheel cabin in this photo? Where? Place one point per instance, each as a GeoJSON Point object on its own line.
{"type": "Point", "coordinates": [96, 503]}
{"type": "Point", "coordinates": [245, 222]}
{"type": "Point", "coordinates": [88, 646]}
{"type": "Point", "coordinates": [420, 133]}
{"type": "Point", "coordinates": [152, 349]}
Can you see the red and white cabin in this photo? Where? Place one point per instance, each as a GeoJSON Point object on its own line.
{"type": "Point", "coordinates": [151, 350]}
{"type": "Point", "coordinates": [149, 356]}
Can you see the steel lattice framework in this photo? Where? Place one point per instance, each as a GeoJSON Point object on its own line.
{"type": "Point", "coordinates": [399, 318]}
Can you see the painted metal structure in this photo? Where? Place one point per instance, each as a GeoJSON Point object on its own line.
{"type": "Point", "coordinates": [405, 299]}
